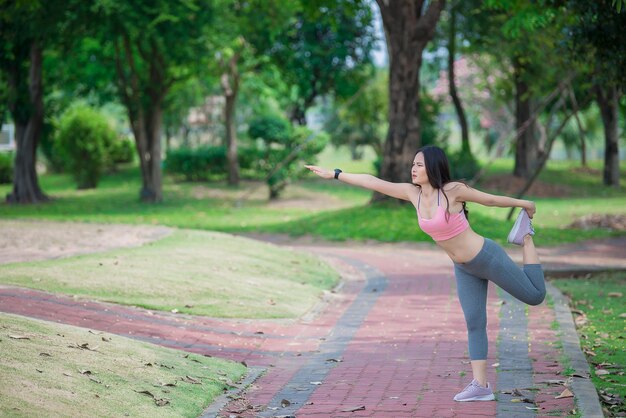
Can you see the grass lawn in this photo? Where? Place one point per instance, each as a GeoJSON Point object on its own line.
{"type": "Point", "coordinates": [47, 374]}
{"type": "Point", "coordinates": [321, 208]}
{"type": "Point", "coordinates": [196, 272]}
{"type": "Point", "coordinates": [600, 312]}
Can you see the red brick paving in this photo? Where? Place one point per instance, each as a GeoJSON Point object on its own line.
{"type": "Point", "coordinates": [407, 358]}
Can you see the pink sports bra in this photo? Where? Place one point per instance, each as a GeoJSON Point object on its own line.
{"type": "Point", "coordinates": [437, 226]}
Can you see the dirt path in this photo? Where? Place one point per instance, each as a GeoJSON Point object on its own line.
{"type": "Point", "coordinates": [39, 240]}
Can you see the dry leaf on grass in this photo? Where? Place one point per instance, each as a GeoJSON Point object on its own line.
{"type": "Point", "coordinates": [615, 294]}
{"type": "Point", "coordinates": [158, 401]}
{"type": "Point", "coordinates": [192, 380]}
{"type": "Point", "coordinates": [19, 337]}
{"type": "Point", "coordinates": [602, 372]}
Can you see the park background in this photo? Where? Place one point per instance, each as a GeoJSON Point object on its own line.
{"type": "Point", "coordinates": [201, 114]}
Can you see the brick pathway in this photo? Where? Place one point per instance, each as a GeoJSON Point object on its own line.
{"type": "Point", "coordinates": [390, 342]}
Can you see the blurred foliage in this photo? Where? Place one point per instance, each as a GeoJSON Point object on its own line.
{"type": "Point", "coordinates": [283, 150]}
{"type": "Point", "coordinates": [83, 141]}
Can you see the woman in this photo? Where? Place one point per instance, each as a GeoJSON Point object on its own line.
{"type": "Point", "coordinates": [441, 213]}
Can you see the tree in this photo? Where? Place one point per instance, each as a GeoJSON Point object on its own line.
{"type": "Point", "coordinates": [153, 44]}
{"type": "Point", "coordinates": [246, 33]}
{"type": "Point", "coordinates": [458, 106]}
{"type": "Point", "coordinates": [326, 50]}
{"type": "Point", "coordinates": [597, 37]}
{"type": "Point", "coordinates": [409, 26]}
{"type": "Point", "coordinates": [361, 120]}
{"type": "Point", "coordinates": [25, 29]}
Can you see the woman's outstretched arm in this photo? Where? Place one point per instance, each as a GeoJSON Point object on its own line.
{"type": "Point", "coordinates": [465, 193]}
{"type": "Point", "coordinates": [404, 191]}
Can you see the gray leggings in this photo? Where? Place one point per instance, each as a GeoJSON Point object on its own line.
{"type": "Point", "coordinates": [492, 263]}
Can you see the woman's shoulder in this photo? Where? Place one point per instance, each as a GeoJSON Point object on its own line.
{"type": "Point", "coordinates": [452, 186]}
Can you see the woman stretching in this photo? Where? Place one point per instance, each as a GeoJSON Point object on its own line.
{"type": "Point", "coordinates": [441, 213]}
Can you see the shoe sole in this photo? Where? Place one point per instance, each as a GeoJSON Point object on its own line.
{"type": "Point", "coordinates": [516, 226]}
{"type": "Point", "coordinates": [478, 398]}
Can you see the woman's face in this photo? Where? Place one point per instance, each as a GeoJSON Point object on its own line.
{"type": "Point", "coordinates": [418, 170]}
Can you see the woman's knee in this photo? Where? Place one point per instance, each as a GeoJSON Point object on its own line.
{"type": "Point", "coordinates": [536, 299]}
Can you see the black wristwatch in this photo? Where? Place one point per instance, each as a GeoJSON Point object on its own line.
{"type": "Point", "coordinates": [337, 172]}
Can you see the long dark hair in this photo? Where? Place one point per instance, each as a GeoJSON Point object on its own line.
{"type": "Point", "coordinates": [438, 172]}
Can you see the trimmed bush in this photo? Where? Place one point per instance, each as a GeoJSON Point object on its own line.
{"type": "Point", "coordinates": [463, 166]}
{"type": "Point", "coordinates": [196, 163]}
{"type": "Point", "coordinates": [83, 138]}
{"type": "Point", "coordinates": [6, 167]}
{"type": "Point", "coordinates": [120, 151]}
{"type": "Point", "coordinates": [285, 150]}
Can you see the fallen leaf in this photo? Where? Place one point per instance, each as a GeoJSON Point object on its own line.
{"type": "Point", "coordinates": [555, 382]}
{"type": "Point", "coordinates": [192, 380]}
{"type": "Point", "coordinates": [285, 403]}
{"type": "Point", "coordinates": [602, 372]}
{"type": "Point", "coordinates": [188, 306]}
{"type": "Point", "coordinates": [565, 394]}
{"type": "Point", "coordinates": [93, 379]}
{"type": "Point", "coordinates": [40, 371]}
{"type": "Point", "coordinates": [19, 337]}
{"type": "Point", "coordinates": [45, 354]}
{"type": "Point", "coordinates": [106, 339]}
{"type": "Point", "coordinates": [67, 374]}
{"type": "Point", "coordinates": [615, 294]}
{"type": "Point", "coordinates": [82, 371]}
{"type": "Point", "coordinates": [354, 409]}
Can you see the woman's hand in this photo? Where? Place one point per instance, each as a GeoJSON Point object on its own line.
{"type": "Point", "coordinates": [530, 208]}
{"type": "Point", "coordinates": [325, 174]}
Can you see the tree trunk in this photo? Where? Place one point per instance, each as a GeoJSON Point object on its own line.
{"type": "Point", "coordinates": [458, 106]}
{"type": "Point", "coordinates": [28, 119]}
{"type": "Point", "coordinates": [608, 101]}
{"type": "Point", "coordinates": [526, 150]}
{"type": "Point", "coordinates": [230, 87]}
{"type": "Point", "coordinates": [407, 31]}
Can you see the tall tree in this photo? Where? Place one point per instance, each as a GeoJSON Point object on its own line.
{"type": "Point", "coordinates": [325, 50]}
{"type": "Point", "coordinates": [456, 100]}
{"type": "Point", "coordinates": [25, 28]}
{"type": "Point", "coordinates": [409, 26]}
{"type": "Point", "coordinates": [153, 44]}
{"type": "Point", "coordinates": [246, 33]}
{"type": "Point", "coordinates": [598, 37]}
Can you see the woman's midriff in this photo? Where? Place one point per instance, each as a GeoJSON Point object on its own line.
{"type": "Point", "coordinates": [464, 247]}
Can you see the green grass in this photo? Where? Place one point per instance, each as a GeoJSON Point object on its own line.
{"type": "Point", "coordinates": [195, 272]}
{"type": "Point", "coordinates": [604, 334]}
{"type": "Point", "coordinates": [41, 376]}
{"type": "Point", "coordinates": [325, 209]}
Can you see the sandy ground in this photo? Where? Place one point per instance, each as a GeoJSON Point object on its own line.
{"type": "Point", "coordinates": [39, 240]}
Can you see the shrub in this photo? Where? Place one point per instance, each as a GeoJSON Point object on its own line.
{"type": "Point", "coordinates": [82, 140]}
{"type": "Point", "coordinates": [196, 164]}
{"type": "Point", "coordinates": [6, 167]}
{"type": "Point", "coordinates": [284, 150]}
{"type": "Point", "coordinates": [120, 151]}
{"type": "Point", "coordinates": [463, 165]}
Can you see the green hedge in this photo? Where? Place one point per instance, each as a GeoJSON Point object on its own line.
{"type": "Point", "coordinates": [83, 139]}
{"type": "Point", "coordinates": [6, 167]}
{"type": "Point", "coordinates": [204, 163]}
